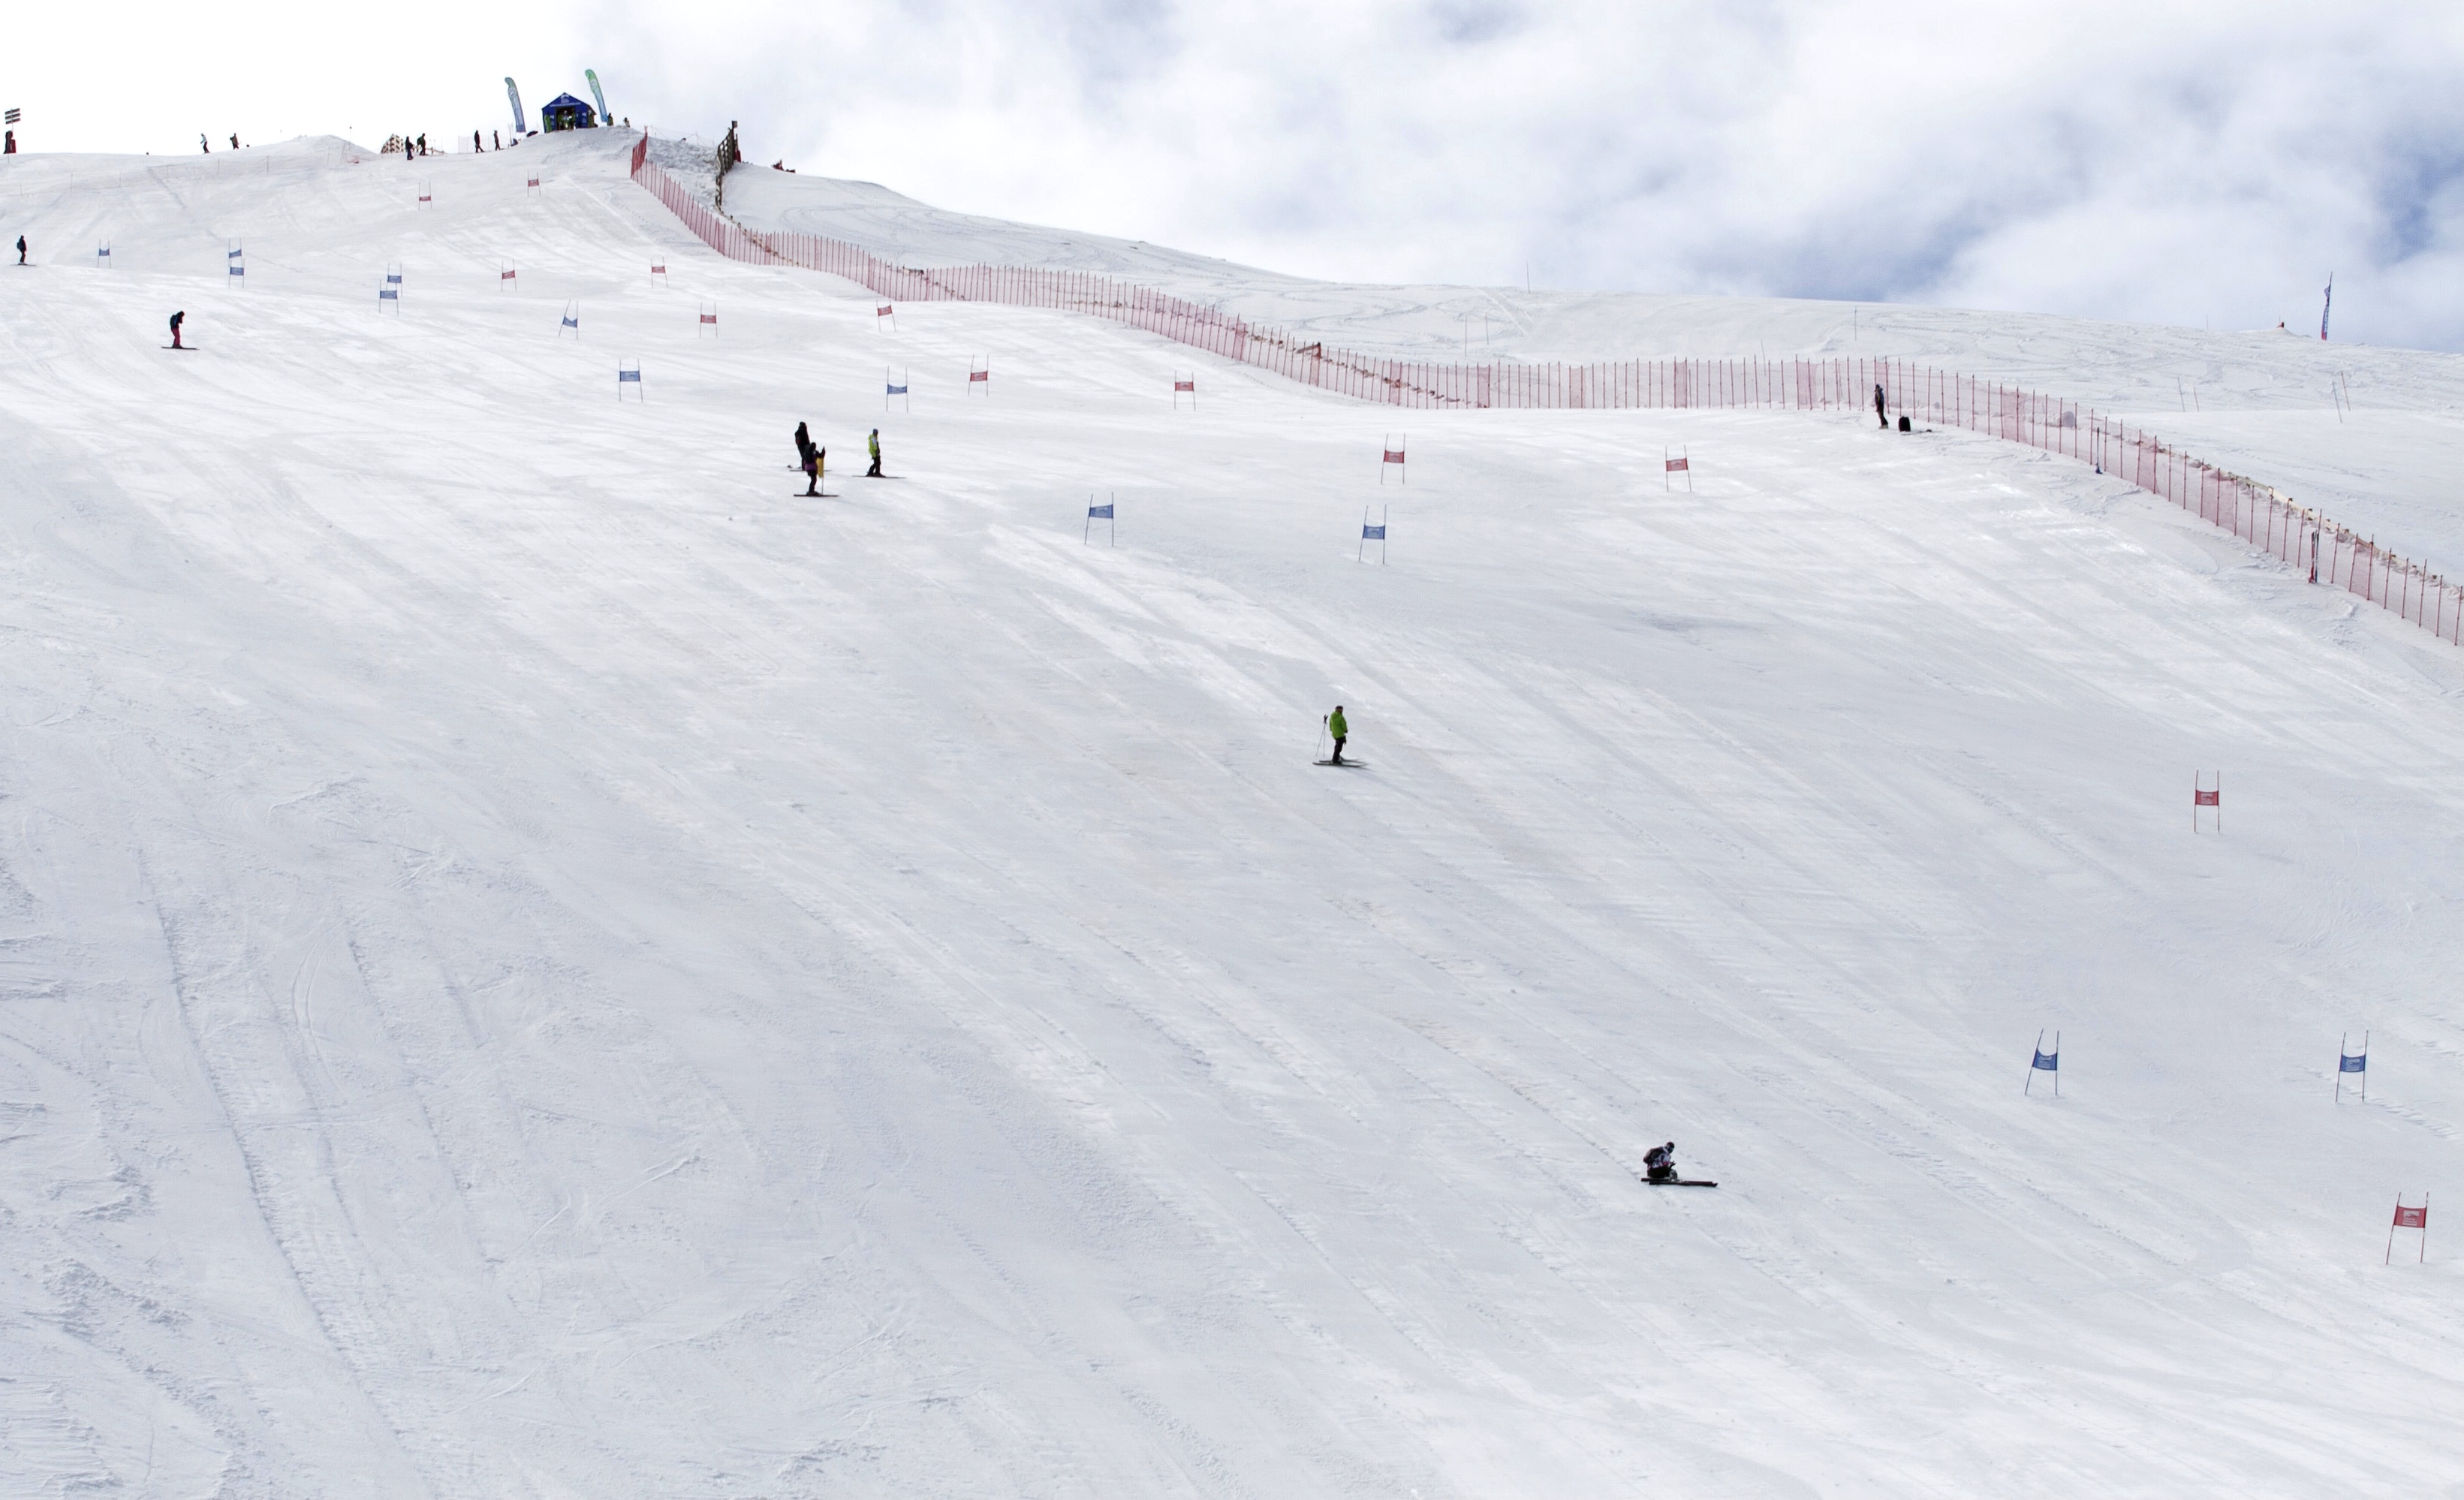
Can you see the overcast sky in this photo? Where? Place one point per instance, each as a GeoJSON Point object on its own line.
{"type": "Point", "coordinates": [2187, 163]}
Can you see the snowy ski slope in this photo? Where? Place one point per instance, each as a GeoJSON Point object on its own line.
{"type": "Point", "coordinates": [2373, 437]}
{"type": "Point", "coordinates": [534, 961]}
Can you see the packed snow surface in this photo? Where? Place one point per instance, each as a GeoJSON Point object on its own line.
{"type": "Point", "coordinates": [535, 960]}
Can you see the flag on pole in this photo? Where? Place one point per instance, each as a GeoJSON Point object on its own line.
{"type": "Point", "coordinates": [2410, 1219]}
{"type": "Point", "coordinates": [2046, 1062]}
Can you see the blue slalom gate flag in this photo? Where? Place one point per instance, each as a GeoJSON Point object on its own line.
{"type": "Point", "coordinates": [893, 391]}
{"type": "Point", "coordinates": [2046, 1062]}
{"type": "Point", "coordinates": [1103, 512]}
{"type": "Point", "coordinates": [1369, 533]}
{"type": "Point", "coordinates": [2357, 1064]}
{"type": "Point", "coordinates": [2352, 1062]}
{"type": "Point", "coordinates": [389, 293]}
{"type": "Point", "coordinates": [573, 322]}
{"type": "Point", "coordinates": [233, 255]}
{"type": "Point", "coordinates": [393, 278]}
{"type": "Point", "coordinates": [238, 270]}
{"type": "Point", "coordinates": [632, 375]}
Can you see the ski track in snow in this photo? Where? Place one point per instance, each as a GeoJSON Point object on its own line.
{"type": "Point", "coordinates": [533, 961]}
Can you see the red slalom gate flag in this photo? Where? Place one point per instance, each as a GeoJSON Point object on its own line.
{"type": "Point", "coordinates": [1394, 455]}
{"type": "Point", "coordinates": [980, 374]}
{"type": "Point", "coordinates": [1189, 385]}
{"type": "Point", "coordinates": [1679, 466]}
{"type": "Point", "coordinates": [883, 310]}
{"type": "Point", "coordinates": [2215, 799]}
{"type": "Point", "coordinates": [2410, 1219]}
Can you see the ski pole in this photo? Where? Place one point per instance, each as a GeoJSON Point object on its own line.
{"type": "Point", "coordinates": [1321, 733]}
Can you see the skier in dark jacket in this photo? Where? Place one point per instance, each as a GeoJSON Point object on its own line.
{"type": "Point", "coordinates": [873, 443]}
{"type": "Point", "coordinates": [1881, 409]}
{"type": "Point", "coordinates": [177, 319]}
{"type": "Point", "coordinates": [1660, 1163]}
{"type": "Point", "coordinates": [21, 250]}
{"type": "Point", "coordinates": [810, 458]}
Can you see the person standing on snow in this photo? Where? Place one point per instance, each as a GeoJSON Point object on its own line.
{"type": "Point", "coordinates": [1660, 1163]}
{"type": "Point", "coordinates": [872, 444]}
{"type": "Point", "coordinates": [1881, 409]}
{"type": "Point", "coordinates": [21, 250]}
{"type": "Point", "coordinates": [422, 142]}
{"type": "Point", "coordinates": [177, 319]}
{"type": "Point", "coordinates": [1341, 731]}
{"type": "Point", "coordinates": [204, 146]}
{"type": "Point", "coordinates": [235, 139]}
{"type": "Point", "coordinates": [475, 142]}
{"type": "Point", "coordinates": [810, 458]}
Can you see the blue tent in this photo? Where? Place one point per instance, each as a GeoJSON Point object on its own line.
{"type": "Point", "coordinates": [564, 112]}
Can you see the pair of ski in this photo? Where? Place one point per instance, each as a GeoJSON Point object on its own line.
{"type": "Point", "coordinates": [1348, 765]}
{"type": "Point", "coordinates": [1681, 1181]}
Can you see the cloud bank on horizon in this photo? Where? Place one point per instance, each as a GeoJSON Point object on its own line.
{"type": "Point", "coordinates": [2186, 163]}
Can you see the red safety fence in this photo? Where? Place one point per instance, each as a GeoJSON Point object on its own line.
{"type": "Point", "coordinates": [2332, 554]}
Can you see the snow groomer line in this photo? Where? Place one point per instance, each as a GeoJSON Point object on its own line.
{"type": "Point", "coordinates": [2327, 554]}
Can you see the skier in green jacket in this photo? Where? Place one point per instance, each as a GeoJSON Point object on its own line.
{"type": "Point", "coordinates": [873, 443]}
{"type": "Point", "coordinates": [1341, 731]}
